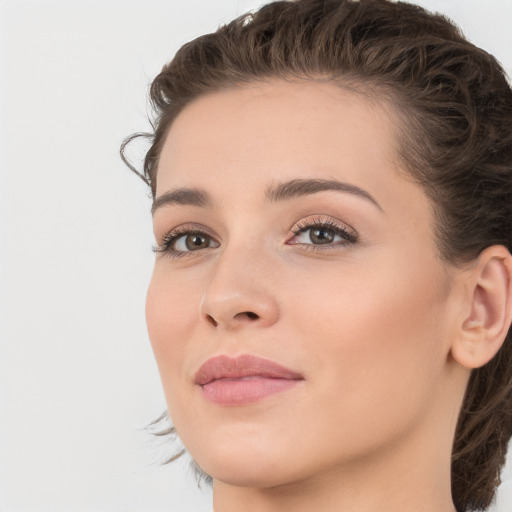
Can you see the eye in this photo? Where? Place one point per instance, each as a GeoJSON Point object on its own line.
{"type": "Point", "coordinates": [317, 232]}
{"type": "Point", "coordinates": [183, 241]}
{"type": "Point", "coordinates": [318, 235]}
{"type": "Point", "coordinates": [192, 242]}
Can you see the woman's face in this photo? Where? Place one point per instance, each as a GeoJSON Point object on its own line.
{"type": "Point", "coordinates": [291, 235]}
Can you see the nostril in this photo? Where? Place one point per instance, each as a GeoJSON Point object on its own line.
{"type": "Point", "coordinates": [251, 315]}
{"type": "Point", "coordinates": [211, 320]}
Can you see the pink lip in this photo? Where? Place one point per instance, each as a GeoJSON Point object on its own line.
{"type": "Point", "coordinates": [244, 379]}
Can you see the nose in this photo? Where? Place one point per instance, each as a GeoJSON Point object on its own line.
{"type": "Point", "coordinates": [239, 293]}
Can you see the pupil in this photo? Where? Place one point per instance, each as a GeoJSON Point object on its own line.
{"type": "Point", "coordinates": [321, 235]}
{"type": "Point", "coordinates": [196, 242]}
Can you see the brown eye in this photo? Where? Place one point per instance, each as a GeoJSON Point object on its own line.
{"type": "Point", "coordinates": [194, 241]}
{"type": "Point", "coordinates": [185, 242]}
{"type": "Point", "coordinates": [322, 235]}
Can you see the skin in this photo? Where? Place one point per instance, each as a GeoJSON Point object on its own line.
{"type": "Point", "coordinates": [369, 325]}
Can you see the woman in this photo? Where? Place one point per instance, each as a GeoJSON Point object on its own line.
{"type": "Point", "coordinates": [332, 292]}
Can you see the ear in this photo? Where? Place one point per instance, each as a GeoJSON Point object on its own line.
{"type": "Point", "coordinates": [486, 320]}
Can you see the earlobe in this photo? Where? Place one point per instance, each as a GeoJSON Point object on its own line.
{"type": "Point", "coordinates": [487, 321]}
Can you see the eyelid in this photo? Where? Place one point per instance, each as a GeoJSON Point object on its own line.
{"type": "Point", "coordinates": [188, 227]}
{"type": "Point", "coordinates": [322, 220]}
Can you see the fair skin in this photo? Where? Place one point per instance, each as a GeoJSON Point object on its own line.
{"type": "Point", "coordinates": [381, 330]}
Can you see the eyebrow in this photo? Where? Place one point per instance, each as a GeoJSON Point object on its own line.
{"type": "Point", "coordinates": [183, 196]}
{"type": "Point", "coordinates": [303, 187]}
{"type": "Point", "coordinates": [280, 192]}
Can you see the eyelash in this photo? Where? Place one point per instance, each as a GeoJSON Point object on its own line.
{"type": "Point", "coordinates": [348, 234]}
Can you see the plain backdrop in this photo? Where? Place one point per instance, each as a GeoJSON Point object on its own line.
{"type": "Point", "coordinates": [77, 377]}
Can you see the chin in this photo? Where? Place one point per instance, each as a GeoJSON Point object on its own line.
{"type": "Point", "coordinates": [244, 465]}
{"type": "Point", "coordinates": [250, 473]}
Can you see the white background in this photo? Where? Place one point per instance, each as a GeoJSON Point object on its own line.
{"type": "Point", "coordinates": [77, 377]}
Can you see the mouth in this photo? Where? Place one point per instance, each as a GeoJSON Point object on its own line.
{"type": "Point", "coordinates": [243, 380]}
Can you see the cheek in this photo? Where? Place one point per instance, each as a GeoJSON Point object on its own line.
{"type": "Point", "coordinates": [379, 342]}
{"type": "Point", "coordinates": [376, 304]}
{"type": "Point", "coordinates": [171, 313]}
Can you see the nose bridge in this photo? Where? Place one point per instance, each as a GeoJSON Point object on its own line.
{"type": "Point", "coordinates": [239, 290]}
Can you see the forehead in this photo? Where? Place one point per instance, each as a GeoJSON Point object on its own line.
{"type": "Point", "coordinates": [301, 125]}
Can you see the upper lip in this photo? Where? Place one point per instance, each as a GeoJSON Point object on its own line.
{"type": "Point", "coordinates": [225, 367]}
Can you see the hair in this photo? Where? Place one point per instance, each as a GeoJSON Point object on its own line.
{"type": "Point", "coordinates": [454, 105]}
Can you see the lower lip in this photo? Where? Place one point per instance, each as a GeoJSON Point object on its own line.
{"type": "Point", "coordinates": [244, 391]}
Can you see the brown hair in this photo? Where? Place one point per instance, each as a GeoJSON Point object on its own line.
{"type": "Point", "coordinates": [455, 106]}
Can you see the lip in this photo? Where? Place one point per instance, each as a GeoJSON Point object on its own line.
{"type": "Point", "coordinates": [243, 380]}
